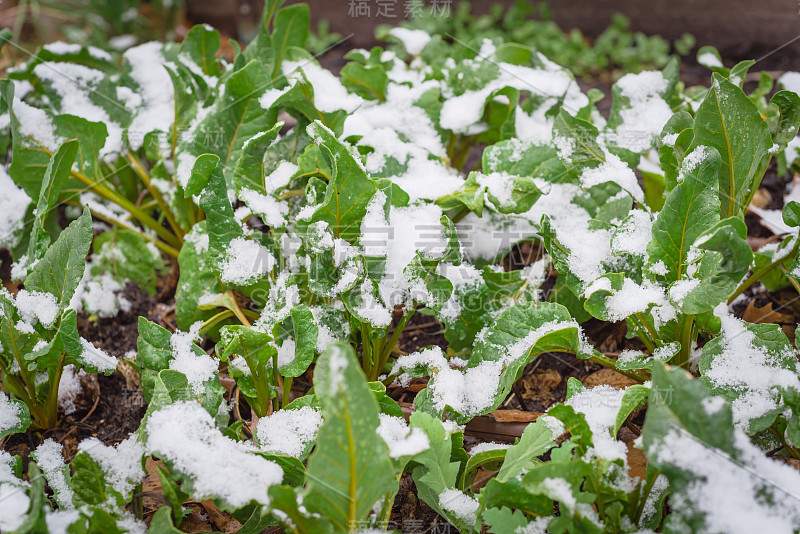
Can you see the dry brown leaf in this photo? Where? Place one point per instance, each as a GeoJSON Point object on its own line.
{"type": "Point", "coordinates": [765, 314]}
{"type": "Point", "coordinates": [514, 416]}
{"type": "Point", "coordinates": [637, 463]}
{"type": "Point", "coordinates": [539, 386]}
{"type": "Point", "coordinates": [223, 520]}
{"type": "Point", "coordinates": [761, 198]}
{"type": "Point", "coordinates": [197, 521]}
{"type": "Point", "coordinates": [608, 377]}
{"type": "Point", "coordinates": [152, 482]}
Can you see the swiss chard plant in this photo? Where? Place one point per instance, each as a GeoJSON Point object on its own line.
{"type": "Point", "coordinates": [38, 329]}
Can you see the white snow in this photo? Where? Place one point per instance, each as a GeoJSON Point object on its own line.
{"type": "Point", "coordinates": [329, 93]}
{"type": "Point", "coordinates": [460, 504]}
{"type": "Point", "coordinates": [644, 120]}
{"type": "Point", "coordinates": [289, 431]}
{"type": "Point", "coordinates": [749, 493]}
{"type": "Point", "coordinates": [462, 114]}
{"type": "Point", "coordinates": [51, 461]}
{"type": "Point", "coordinates": [10, 413]}
{"type": "Point", "coordinates": [413, 40]}
{"type": "Point", "coordinates": [74, 83]}
{"type": "Point", "coordinates": [13, 205]}
{"type": "Point", "coordinates": [69, 387]}
{"type": "Point", "coordinates": [245, 261]}
{"type": "Point", "coordinates": [36, 306]}
{"type": "Point", "coordinates": [14, 504]}
{"type": "Point", "coordinates": [196, 365]}
{"type": "Point", "coordinates": [94, 357]}
{"type": "Point", "coordinates": [185, 435]}
{"type": "Point", "coordinates": [633, 235]}
{"type": "Point", "coordinates": [121, 463]}
{"type": "Point", "coordinates": [600, 406]}
{"type": "Point", "coordinates": [157, 111]}
{"type": "Point", "coordinates": [613, 170]}
{"type": "Point", "coordinates": [402, 440]}
{"type": "Point", "coordinates": [708, 59]}
{"type": "Point", "coordinates": [754, 373]}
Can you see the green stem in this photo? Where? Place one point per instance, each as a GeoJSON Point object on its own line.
{"type": "Point", "coordinates": [51, 412]}
{"type": "Point", "coordinates": [605, 361]}
{"type": "Point", "coordinates": [460, 214]}
{"type": "Point", "coordinates": [211, 322]}
{"type": "Point", "coordinates": [652, 333]}
{"type": "Point", "coordinates": [366, 356]}
{"type": "Point", "coordinates": [791, 279]}
{"type": "Point", "coordinates": [262, 393]}
{"type": "Point", "coordinates": [276, 375]}
{"type": "Point", "coordinates": [685, 329]}
{"type": "Point", "coordinates": [130, 207]}
{"type": "Point", "coordinates": [291, 193]}
{"type": "Point", "coordinates": [387, 350]}
{"type": "Point", "coordinates": [139, 170]}
{"type": "Point", "coordinates": [757, 275]}
{"type": "Point", "coordinates": [287, 391]}
{"type": "Point", "coordinates": [237, 311]}
{"type": "Point", "coordinates": [13, 384]}
{"type": "Point", "coordinates": [172, 251]}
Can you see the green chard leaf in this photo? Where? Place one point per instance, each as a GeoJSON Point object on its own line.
{"type": "Point", "coordinates": [350, 470]}
{"type": "Point", "coordinates": [61, 268]}
{"type": "Point", "coordinates": [729, 122]}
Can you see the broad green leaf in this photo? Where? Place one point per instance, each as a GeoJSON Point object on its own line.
{"type": "Point", "coordinates": [291, 30]}
{"type": "Point", "coordinates": [304, 335]}
{"type": "Point", "coordinates": [435, 472]}
{"type": "Point", "coordinates": [634, 398]}
{"type": "Point", "coordinates": [689, 436]}
{"type": "Point", "coordinates": [162, 522]}
{"type": "Point", "coordinates": [730, 257]}
{"type": "Point", "coordinates": [61, 268]}
{"type": "Point", "coordinates": [788, 103]}
{"type": "Point", "coordinates": [285, 499]}
{"type": "Point", "coordinates": [91, 138]}
{"type": "Point", "coordinates": [153, 353]}
{"type": "Point", "coordinates": [507, 521]}
{"type": "Point", "coordinates": [580, 138]}
{"type": "Point", "coordinates": [729, 122]}
{"type": "Point", "coordinates": [367, 81]}
{"type": "Point", "coordinates": [535, 441]}
{"type": "Point", "coordinates": [350, 469]}
{"type": "Point", "coordinates": [201, 44]}
{"type": "Point", "coordinates": [89, 483]}
{"type": "Point", "coordinates": [234, 119]}
{"type": "Point", "coordinates": [55, 176]}
{"type": "Point", "coordinates": [689, 211]}
{"type": "Point", "coordinates": [515, 338]}
{"type": "Point", "coordinates": [349, 190]}
{"type": "Point", "coordinates": [222, 226]}
{"type": "Point", "coordinates": [251, 169]}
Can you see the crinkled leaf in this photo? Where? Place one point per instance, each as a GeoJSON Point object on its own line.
{"type": "Point", "coordinates": [61, 268]}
